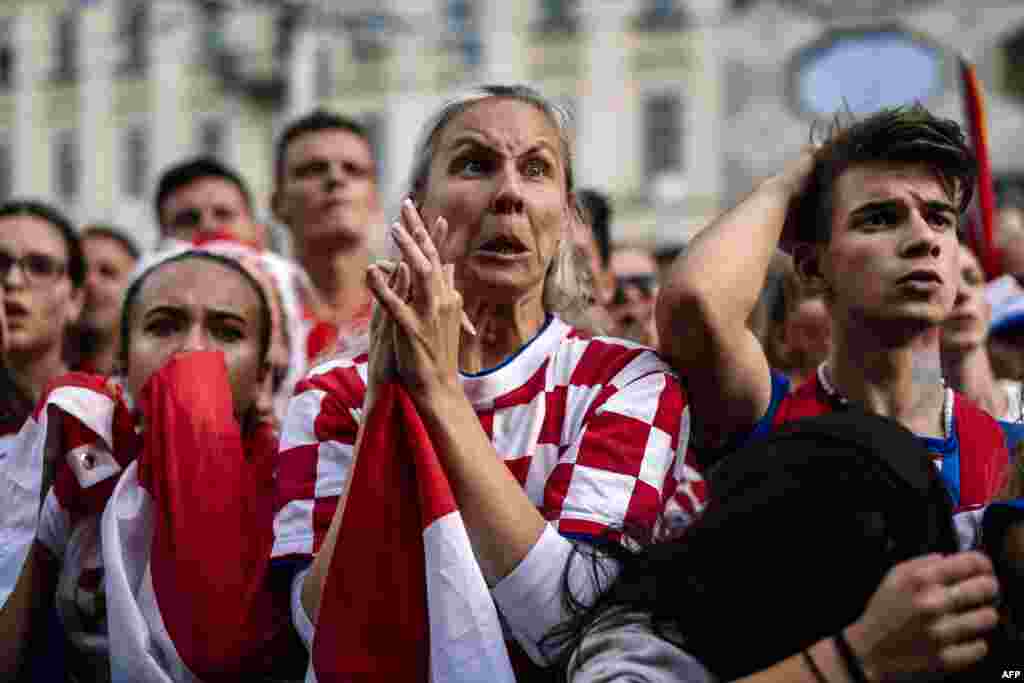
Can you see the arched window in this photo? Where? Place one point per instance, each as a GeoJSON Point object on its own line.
{"type": "Point", "coordinates": [862, 70]}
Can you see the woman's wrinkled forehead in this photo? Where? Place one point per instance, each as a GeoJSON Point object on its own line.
{"type": "Point", "coordinates": [504, 125]}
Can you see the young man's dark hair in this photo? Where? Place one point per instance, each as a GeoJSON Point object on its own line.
{"type": "Point", "coordinates": [49, 214]}
{"type": "Point", "coordinates": [191, 170]}
{"type": "Point", "coordinates": [899, 135]}
{"type": "Point", "coordinates": [598, 214]}
{"type": "Point", "coordinates": [313, 122]}
{"type": "Point", "coordinates": [113, 234]}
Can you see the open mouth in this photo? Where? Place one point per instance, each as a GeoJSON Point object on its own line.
{"type": "Point", "coordinates": [921, 277]}
{"type": "Point", "coordinates": [503, 244]}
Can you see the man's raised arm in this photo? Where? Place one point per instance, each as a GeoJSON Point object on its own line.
{"type": "Point", "coordinates": [703, 308]}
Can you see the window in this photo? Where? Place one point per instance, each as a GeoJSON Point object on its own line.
{"type": "Point", "coordinates": [862, 70]}
{"type": "Point", "coordinates": [6, 54]}
{"type": "Point", "coordinates": [664, 141]}
{"type": "Point", "coordinates": [661, 15]}
{"type": "Point", "coordinates": [133, 35]}
{"type": "Point", "coordinates": [6, 170]}
{"type": "Point", "coordinates": [558, 16]}
{"type": "Point", "coordinates": [134, 161]}
{"type": "Point", "coordinates": [324, 75]}
{"type": "Point", "coordinates": [463, 31]}
{"type": "Point", "coordinates": [66, 165]}
{"type": "Point", "coordinates": [211, 137]}
{"type": "Point", "coordinates": [65, 42]}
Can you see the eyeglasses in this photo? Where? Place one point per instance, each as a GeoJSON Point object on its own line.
{"type": "Point", "coordinates": [645, 283]}
{"type": "Point", "coordinates": [38, 269]}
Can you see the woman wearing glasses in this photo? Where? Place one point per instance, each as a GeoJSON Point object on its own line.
{"type": "Point", "coordinates": [42, 270]}
{"type": "Point", "coordinates": [636, 289]}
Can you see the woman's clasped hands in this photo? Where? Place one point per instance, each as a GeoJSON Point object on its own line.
{"type": "Point", "coordinates": [415, 332]}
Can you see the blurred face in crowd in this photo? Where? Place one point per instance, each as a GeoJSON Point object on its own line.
{"type": "Point", "coordinates": [499, 178]}
{"type": "Point", "coordinates": [893, 253]}
{"type": "Point", "coordinates": [583, 237]}
{"type": "Point", "coordinates": [197, 305]}
{"type": "Point", "coordinates": [636, 288]}
{"type": "Point", "coordinates": [1010, 237]}
{"type": "Point", "coordinates": [207, 206]}
{"type": "Point", "coordinates": [808, 330]}
{"type": "Point", "coordinates": [967, 326]}
{"type": "Point", "coordinates": [108, 267]}
{"type": "Point", "coordinates": [39, 300]}
{"type": "Point", "coordinates": [328, 190]}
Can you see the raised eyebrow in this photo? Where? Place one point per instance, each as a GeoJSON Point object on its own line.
{"type": "Point", "coordinates": [220, 314]}
{"type": "Point", "coordinates": [472, 142]}
{"type": "Point", "coordinates": [310, 161]}
{"type": "Point", "coordinates": [539, 147]}
{"type": "Point", "coordinates": [878, 205]}
{"type": "Point", "coordinates": [167, 310]}
{"type": "Point", "coordinates": [938, 205]}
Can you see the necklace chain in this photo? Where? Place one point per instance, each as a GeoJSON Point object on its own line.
{"type": "Point", "coordinates": [824, 373]}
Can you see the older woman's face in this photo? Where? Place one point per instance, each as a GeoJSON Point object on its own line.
{"type": "Point", "coordinates": [498, 178]}
{"type": "Point", "coordinates": [197, 305]}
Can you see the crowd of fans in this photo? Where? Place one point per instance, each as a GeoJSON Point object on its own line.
{"type": "Point", "coordinates": [793, 453]}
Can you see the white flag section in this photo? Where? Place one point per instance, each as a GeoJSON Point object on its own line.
{"type": "Point", "coordinates": [21, 475]}
{"type": "Point", "coordinates": [466, 642]}
{"type": "Point", "coordinates": [140, 647]}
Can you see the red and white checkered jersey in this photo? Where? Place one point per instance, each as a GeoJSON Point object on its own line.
{"type": "Point", "coordinates": [594, 429]}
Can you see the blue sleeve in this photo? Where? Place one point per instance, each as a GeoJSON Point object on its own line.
{"type": "Point", "coordinates": [709, 457]}
{"type": "Point", "coordinates": [1014, 433]}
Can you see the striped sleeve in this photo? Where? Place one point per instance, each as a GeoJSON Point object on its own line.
{"type": "Point", "coordinates": [317, 442]}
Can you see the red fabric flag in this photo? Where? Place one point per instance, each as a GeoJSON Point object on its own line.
{"type": "Point", "coordinates": [214, 503]}
{"type": "Point", "coordinates": [981, 218]}
{"type": "Point", "coordinates": [373, 613]}
{"type": "Point", "coordinates": [197, 592]}
{"type": "Point", "coordinates": [404, 599]}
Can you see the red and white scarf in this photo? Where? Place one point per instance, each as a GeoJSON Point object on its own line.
{"type": "Point", "coordinates": [405, 599]}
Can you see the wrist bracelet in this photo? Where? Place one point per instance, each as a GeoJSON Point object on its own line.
{"type": "Point", "coordinates": [813, 666]}
{"type": "Point", "coordinates": [853, 664]}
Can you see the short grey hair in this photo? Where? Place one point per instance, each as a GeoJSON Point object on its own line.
{"type": "Point", "coordinates": [565, 290]}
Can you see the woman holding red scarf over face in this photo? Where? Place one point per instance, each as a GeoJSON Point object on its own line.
{"type": "Point", "coordinates": [153, 541]}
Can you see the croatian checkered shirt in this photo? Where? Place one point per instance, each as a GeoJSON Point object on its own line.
{"type": "Point", "coordinates": [594, 429]}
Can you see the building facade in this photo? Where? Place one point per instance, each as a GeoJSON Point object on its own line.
{"type": "Point", "coordinates": [680, 105]}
